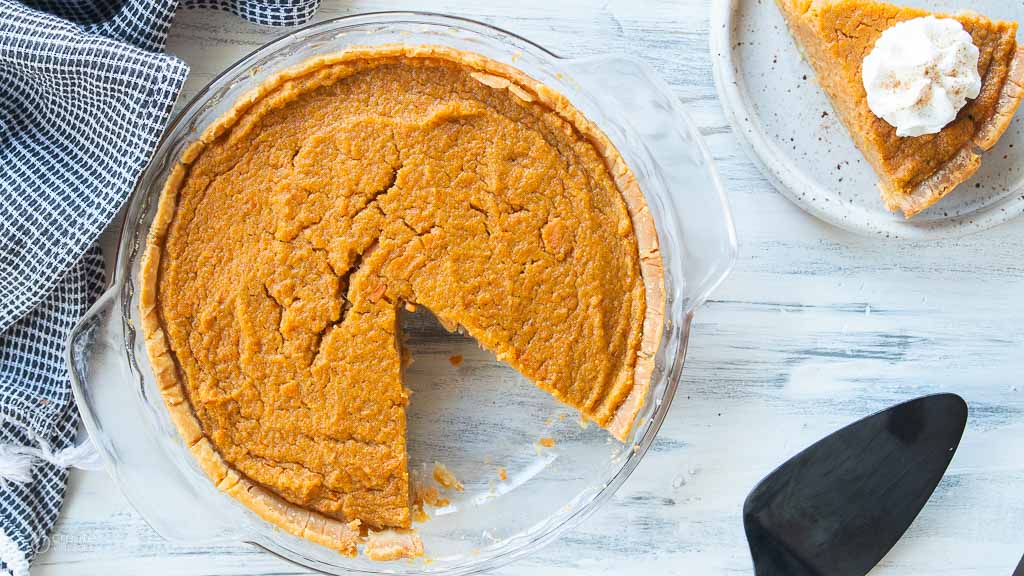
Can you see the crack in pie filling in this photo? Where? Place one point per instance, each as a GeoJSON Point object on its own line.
{"type": "Point", "coordinates": [289, 234]}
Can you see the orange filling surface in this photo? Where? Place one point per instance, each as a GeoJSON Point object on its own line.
{"type": "Point", "coordinates": [365, 185]}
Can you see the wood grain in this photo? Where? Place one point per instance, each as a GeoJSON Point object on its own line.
{"type": "Point", "coordinates": [815, 328]}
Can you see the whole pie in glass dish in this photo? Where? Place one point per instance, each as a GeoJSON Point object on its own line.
{"type": "Point", "coordinates": [345, 188]}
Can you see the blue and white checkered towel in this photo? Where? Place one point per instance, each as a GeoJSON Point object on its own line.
{"type": "Point", "coordinates": [85, 93]}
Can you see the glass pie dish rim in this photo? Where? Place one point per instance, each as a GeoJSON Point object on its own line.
{"type": "Point", "coordinates": [132, 240]}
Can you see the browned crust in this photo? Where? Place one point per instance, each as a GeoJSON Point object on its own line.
{"type": "Point", "coordinates": [934, 188]}
{"type": "Point", "coordinates": [300, 521]}
{"type": "Point", "coordinates": [966, 162]}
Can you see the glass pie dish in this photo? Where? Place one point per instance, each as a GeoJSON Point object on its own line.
{"type": "Point", "coordinates": [518, 494]}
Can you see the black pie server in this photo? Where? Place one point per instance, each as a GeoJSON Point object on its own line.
{"type": "Point", "coordinates": [839, 506]}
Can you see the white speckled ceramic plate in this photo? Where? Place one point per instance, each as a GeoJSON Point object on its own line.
{"type": "Point", "coordinates": [790, 130]}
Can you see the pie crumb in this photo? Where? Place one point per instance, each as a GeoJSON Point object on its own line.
{"type": "Point", "coordinates": [445, 477]}
{"type": "Point", "coordinates": [418, 513]}
{"type": "Point", "coordinates": [393, 544]}
{"type": "Point", "coordinates": [431, 496]}
{"type": "Point", "coordinates": [455, 359]}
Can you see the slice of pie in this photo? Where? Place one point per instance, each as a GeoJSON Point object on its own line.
{"type": "Point", "coordinates": [288, 237]}
{"type": "Point", "coordinates": [914, 172]}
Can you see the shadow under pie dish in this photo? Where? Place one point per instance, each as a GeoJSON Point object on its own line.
{"type": "Point", "coordinates": [347, 187]}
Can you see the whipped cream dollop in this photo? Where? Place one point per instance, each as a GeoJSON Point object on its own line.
{"type": "Point", "coordinates": [920, 73]}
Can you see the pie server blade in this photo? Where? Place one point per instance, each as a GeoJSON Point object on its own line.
{"type": "Point", "coordinates": [839, 506]}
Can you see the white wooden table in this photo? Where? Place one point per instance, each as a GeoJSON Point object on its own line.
{"type": "Point", "coordinates": [814, 329]}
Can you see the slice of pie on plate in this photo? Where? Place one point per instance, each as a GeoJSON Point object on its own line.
{"type": "Point", "coordinates": [915, 171]}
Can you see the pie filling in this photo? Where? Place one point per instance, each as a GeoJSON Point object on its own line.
{"type": "Point", "coordinates": [290, 235]}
